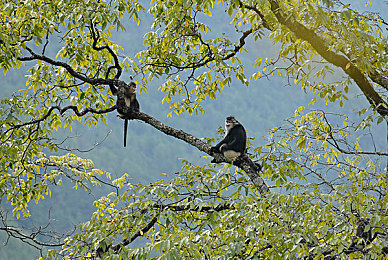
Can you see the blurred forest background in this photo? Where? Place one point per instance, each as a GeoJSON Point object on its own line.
{"type": "Point", "coordinates": [262, 106]}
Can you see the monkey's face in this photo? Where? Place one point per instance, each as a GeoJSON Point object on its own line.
{"type": "Point", "coordinates": [230, 122]}
{"type": "Point", "coordinates": [132, 87]}
{"type": "Point", "coordinates": [227, 125]}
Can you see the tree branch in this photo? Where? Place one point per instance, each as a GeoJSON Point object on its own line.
{"type": "Point", "coordinates": [96, 36]}
{"type": "Point", "coordinates": [16, 233]}
{"type": "Point", "coordinates": [220, 207]}
{"type": "Point", "coordinates": [139, 233]}
{"type": "Point", "coordinates": [63, 110]}
{"type": "Point", "coordinates": [257, 11]}
{"type": "Point", "coordinates": [67, 67]}
{"type": "Point", "coordinates": [306, 34]}
{"type": "Point", "coordinates": [243, 162]}
{"type": "Point", "coordinates": [210, 56]}
{"type": "Point", "coordinates": [337, 146]}
{"type": "Point", "coordinates": [379, 79]}
{"type": "Point", "coordinates": [338, 60]}
{"type": "Point", "coordinates": [207, 209]}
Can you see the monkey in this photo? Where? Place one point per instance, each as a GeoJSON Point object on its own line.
{"type": "Point", "coordinates": [130, 102]}
{"type": "Point", "coordinates": [234, 143]}
{"type": "Point", "coordinates": [362, 237]}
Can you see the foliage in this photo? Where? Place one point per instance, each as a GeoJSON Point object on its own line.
{"type": "Point", "coordinates": [322, 180]}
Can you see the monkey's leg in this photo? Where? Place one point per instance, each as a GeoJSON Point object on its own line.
{"type": "Point", "coordinates": [125, 132]}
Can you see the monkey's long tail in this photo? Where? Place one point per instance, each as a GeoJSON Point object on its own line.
{"type": "Point", "coordinates": [125, 132]}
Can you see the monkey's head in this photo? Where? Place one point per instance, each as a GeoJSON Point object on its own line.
{"type": "Point", "coordinates": [132, 87]}
{"type": "Point", "coordinates": [230, 122]}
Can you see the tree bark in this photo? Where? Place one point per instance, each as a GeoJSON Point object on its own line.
{"type": "Point", "coordinates": [306, 34]}
{"type": "Point", "coordinates": [243, 162]}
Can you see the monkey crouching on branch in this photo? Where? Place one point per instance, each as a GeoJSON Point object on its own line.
{"type": "Point", "coordinates": [234, 143]}
{"type": "Point", "coordinates": [126, 93]}
{"type": "Point", "coordinates": [364, 236]}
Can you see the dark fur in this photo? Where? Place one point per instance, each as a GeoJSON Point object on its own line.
{"type": "Point", "coordinates": [362, 238]}
{"type": "Point", "coordinates": [235, 139]}
{"type": "Point", "coordinates": [130, 98]}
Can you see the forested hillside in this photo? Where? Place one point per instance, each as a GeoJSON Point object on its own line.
{"type": "Point", "coordinates": [268, 108]}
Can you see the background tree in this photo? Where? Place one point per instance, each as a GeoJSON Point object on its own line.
{"type": "Point", "coordinates": [325, 195]}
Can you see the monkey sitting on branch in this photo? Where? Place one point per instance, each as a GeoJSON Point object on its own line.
{"type": "Point", "coordinates": [126, 103]}
{"type": "Point", "coordinates": [234, 143]}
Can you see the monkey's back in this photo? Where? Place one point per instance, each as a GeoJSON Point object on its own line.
{"type": "Point", "coordinates": [239, 136]}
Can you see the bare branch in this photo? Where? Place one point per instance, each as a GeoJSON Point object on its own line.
{"type": "Point", "coordinates": [210, 57]}
{"type": "Point", "coordinates": [32, 238]}
{"type": "Point", "coordinates": [16, 233]}
{"type": "Point", "coordinates": [63, 110]}
{"type": "Point", "coordinates": [67, 67]}
{"type": "Point", "coordinates": [96, 36]}
{"type": "Point", "coordinates": [336, 145]}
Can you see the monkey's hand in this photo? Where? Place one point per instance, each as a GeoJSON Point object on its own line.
{"type": "Point", "coordinates": [223, 148]}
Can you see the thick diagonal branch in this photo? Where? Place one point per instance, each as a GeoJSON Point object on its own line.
{"type": "Point", "coordinates": [319, 44]}
{"type": "Point", "coordinates": [338, 60]}
{"type": "Point", "coordinates": [243, 162]}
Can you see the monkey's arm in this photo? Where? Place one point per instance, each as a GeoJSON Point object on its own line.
{"type": "Point", "coordinates": [216, 149]}
{"type": "Point", "coordinates": [236, 140]}
{"type": "Point", "coordinates": [228, 145]}
{"type": "Point", "coordinates": [135, 106]}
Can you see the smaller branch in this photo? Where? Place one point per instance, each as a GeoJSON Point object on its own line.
{"type": "Point", "coordinates": [207, 209]}
{"type": "Point", "coordinates": [61, 111]}
{"type": "Point", "coordinates": [161, 208]}
{"type": "Point", "coordinates": [210, 57]}
{"type": "Point", "coordinates": [45, 45]}
{"type": "Point", "coordinates": [67, 67]}
{"type": "Point", "coordinates": [16, 233]}
{"type": "Point", "coordinates": [79, 150]}
{"type": "Point", "coordinates": [237, 48]}
{"type": "Point", "coordinates": [336, 145]}
{"type": "Point", "coordinates": [379, 79]}
{"type": "Point", "coordinates": [139, 233]}
{"type": "Point", "coordinates": [258, 12]}
{"type": "Point", "coordinates": [96, 36]}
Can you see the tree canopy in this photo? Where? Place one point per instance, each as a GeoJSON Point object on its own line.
{"type": "Point", "coordinates": [322, 190]}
